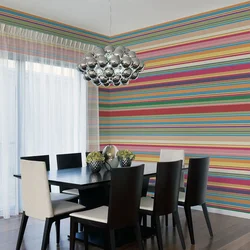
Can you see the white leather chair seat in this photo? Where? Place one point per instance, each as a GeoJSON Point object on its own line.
{"type": "Point", "coordinates": [147, 203]}
{"type": "Point", "coordinates": [181, 196]}
{"type": "Point", "coordinates": [99, 214]}
{"type": "Point", "coordinates": [71, 191]}
{"type": "Point", "coordinates": [61, 196]}
{"type": "Point", "coordinates": [61, 207]}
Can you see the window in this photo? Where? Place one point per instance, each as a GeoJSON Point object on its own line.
{"type": "Point", "coordinates": [43, 103]}
{"type": "Point", "coordinates": [43, 111]}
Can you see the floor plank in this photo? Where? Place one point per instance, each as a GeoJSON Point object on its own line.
{"type": "Point", "coordinates": [230, 233]}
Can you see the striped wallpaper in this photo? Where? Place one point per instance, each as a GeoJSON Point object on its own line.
{"type": "Point", "coordinates": [25, 20]}
{"type": "Point", "coordinates": [194, 94]}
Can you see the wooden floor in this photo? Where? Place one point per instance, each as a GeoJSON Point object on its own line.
{"type": "Point", "coordinates": [230, 233]}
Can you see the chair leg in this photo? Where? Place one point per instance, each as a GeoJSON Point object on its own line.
{"type": "Point", "coordinates": [73, 230]}
{"type": "Point", "coordinates": [190, 223]}
{"type": "Point", "coordinates": [138, 236]}
{"type": "Point", "coordinates": [106, 240]}
{"type": "Point", "coordinates": [152, 221]}
{"type": "Point", "coordinates": [86, 238]}
{"type": "Point", "coordinates": [158, 232]}
{"type": "Point", "coordinates": [166, 220]}
{"type": "Point", "coordinates": [173, 220]}
{"type": "Point", "coordinates": [46, 233]}
{"type": "Point", "coordinates": [22, 230]}
{"type": "Point", "coordinates": [204, 208]}
{"type": "Point", "coordinates": [144, 220]}
{"type": "Point", "coordinates": [57, 231]}
{"type": "Point", "coordinates": [112, 239]}
{"type": "Point", "coordinates": [153, 225]}
{"type": "Point", "coordinates": [178, 224]}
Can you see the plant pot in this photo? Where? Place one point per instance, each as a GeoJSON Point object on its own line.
{"type": "Point", "coordinates": [125, 162]}
{"type": "Point", "coordinates": [95, 166]}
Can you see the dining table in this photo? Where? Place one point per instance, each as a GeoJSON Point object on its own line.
{"type": "Point", "coordinates": [94, 191]}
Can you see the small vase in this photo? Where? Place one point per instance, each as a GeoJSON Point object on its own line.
{"type": "Point", "coordinates": [125, 162]}
{"type": "Point", "coordinates": [95, 166]}
{"type": "Point", "coordinates": [95, 177]}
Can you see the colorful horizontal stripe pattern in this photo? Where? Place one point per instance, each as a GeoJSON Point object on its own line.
{"type": "Point", "coordinates": [194, 95]}
{"type": "Point", "coordinates": [25, 20]}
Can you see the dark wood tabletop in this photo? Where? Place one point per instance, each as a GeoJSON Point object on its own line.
{"type": "Point", "coordinates": [82, 178]}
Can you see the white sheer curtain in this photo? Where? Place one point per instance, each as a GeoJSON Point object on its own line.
{"type": "Point", "coordinates": [43, 104]}
{"type": "Point", "coordinates": [93, 142]}
{"type": "Point", "coordinates": [8, 136]}
{"type": "Point", "coordinates": [52, 110]}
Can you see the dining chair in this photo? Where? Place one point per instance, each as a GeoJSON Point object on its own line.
{"type": "Point", "coordinates": [166, 198]}
{"type": "Point", "coordinates": [74, 160]}
{"type": "Point", "coordinates": [122, 212]}
{"type": "Point", "coordinates": [66, 161]}
{"type": "Point", "coordinates": [167, 155]}
{"type": "Point", "coordinates": [37, 203]}
{"type": "Point", "coordinates": [54, 196]}
{"type": "Point", "coordinates": [196, 192]}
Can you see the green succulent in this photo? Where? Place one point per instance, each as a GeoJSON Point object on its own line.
{"type": "Point", "coordinates": [94, 156]}
{"type": "Point", "coordinates": [125, 153]}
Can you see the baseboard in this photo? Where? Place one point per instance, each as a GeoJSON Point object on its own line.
{"type": "Point", "coordinates": [224, 212]}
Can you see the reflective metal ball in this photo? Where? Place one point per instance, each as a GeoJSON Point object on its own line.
{"type": "Point", "coordinates": [111, 159]}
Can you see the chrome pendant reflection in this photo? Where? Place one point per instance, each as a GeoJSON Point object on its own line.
{"type": "Point", "coordinates": [110, 66]}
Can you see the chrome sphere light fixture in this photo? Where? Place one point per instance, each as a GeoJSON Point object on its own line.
{"type": "Point", "coordinates": [110, 66]}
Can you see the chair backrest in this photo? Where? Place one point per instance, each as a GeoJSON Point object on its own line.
{"type": "Point", "coordinates": [35, 190]}
{"type": "Point", "coordinates": [167, 187]}
{"type": "Point", "coordinates": [125, 195]}
{"type": "Point", "coordinates": [44, 158]}
{"type": "Point", "coordinates": [197, 181]}
{"type": "Point", "coordinates": [73, 160]}
{"type": "Point", "coordinates": [167, 155]}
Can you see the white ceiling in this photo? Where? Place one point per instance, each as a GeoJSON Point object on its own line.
{"type": "Point", "coordinates": [126, 15]}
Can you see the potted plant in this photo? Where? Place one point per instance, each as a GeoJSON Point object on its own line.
{"type": "Point", "coordinates": [95, 161]}
{"type": "Point", "coordinates": [125, 157]}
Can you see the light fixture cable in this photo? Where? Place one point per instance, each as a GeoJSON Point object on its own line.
{"type": "Point", "coordinates": [110, 18]}
{"type": "Point", "coordinates": [110, 65]}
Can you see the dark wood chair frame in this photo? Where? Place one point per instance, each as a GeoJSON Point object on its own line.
{"type": "Point", "coordinates": [166, 198]}
{"type": "Point", "coordinates": [123, 211]}
{"type": "Point", "coordinates": [196, 192]}
{"type": "Point", "coordinates": [47, 229]}
{"type": "Point", "coordinates": [65, 161]}
{"type": "Point", "coordinates": [48, 221]}
{"type": "Point", "coordinates": [71, 160]}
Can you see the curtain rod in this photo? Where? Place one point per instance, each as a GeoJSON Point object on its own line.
{"type": "Point", "coordinates": [36, 36]}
